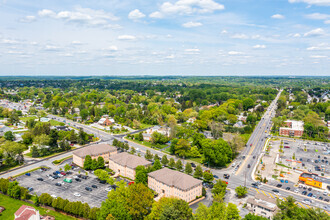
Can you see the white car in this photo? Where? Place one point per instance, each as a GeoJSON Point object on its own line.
{"type": "Point", "coordinates": [325, 193]}
{"type": "Point", "coordinates": [108, 189]}
{"type": "Point", "coordinates": [74, 177]}
{"type": "Point", "coordinates": [60, 175]}
{"type": "Point", "coordinates": [51, 178]}
{"type": "Point", "coordinates": [54, 196]}
{"type": "Point", "coordinates": [296, 190]}
{"type": "Point", "coordinates": [77, 194]}
{"type": "Point", "coordinates": [307, 201]}
{"type": "Point", "coordinates": [233, 164]}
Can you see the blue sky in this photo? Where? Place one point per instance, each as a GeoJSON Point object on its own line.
{"type": "Point", "coordinates": [165, 37]}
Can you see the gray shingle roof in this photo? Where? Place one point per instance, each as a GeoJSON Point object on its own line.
{"type": "Point", "coordinates": [175, 178]}
{"type": "Point", "coordinates": [129, 160]}
{"type": "Point", "coordinates": [94, 150]}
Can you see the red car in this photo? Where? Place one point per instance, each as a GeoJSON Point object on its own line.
{"type": "Point", "coordinates": [63, 173]}
{"type": "Point", "coordinates": [286, 147]}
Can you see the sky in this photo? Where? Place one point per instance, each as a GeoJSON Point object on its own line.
{"type": "Point", "coordinates": [165, 37]}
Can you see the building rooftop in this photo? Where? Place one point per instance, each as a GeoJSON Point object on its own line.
{"type": "Point", "coordinates": [25, 212]}
{"type": "Point", "coordinates": [296, 125]}
{"type": "Point", "coordinates": [175, 178]}
{"type": "Point", "coordinates": [316, 177]}
{"type": "Point", "coordinates": [263, 201]}
{"type": "Point", "coordinates": [94, 150]}
{"type": "Point", "coordinates": [129, 160]}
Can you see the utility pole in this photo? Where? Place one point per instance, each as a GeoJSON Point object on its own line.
{"type": "Point", "coordinates": [245, 180]}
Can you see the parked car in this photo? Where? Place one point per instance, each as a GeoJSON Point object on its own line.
{"type": "Point", "coordinates": [58, 184]}
{"type": "Point", "coordinates": [94, 186]}
{"type": "Point", "coordinates": [286, 147]}
{"type": "Point", "coordinates": [62, 173]}
{"type": "Point", "coordinates": [310, 194]}
{"type": "Point", "coordinates": [30, 189]}
{"type": "Point", "coordinates": [102, 181]}
{"type": "Point", "coordinates": [40, 179]}
{"type": "Point", "coordinates": [88, 189]}
{"type": "Point", "coordinates": [287, 188]}
{"type": "Point", "coordinates": [326, 200]}
{"type": "Point", "coordinates": [28, 174]}
{"type": "Point", "coordinates": [193, 165]}
{"type": "Point", "coordinates": [310, 189]}
{"type": "Point", "coordinates": [77, 194]}
{"type": "Point", "coordinates": [84, 177]}
{"type": "Point", "coordinates": [279, 185]}
{"type": "Point", "coordinates": [226, 176]}
{"type": "Point", "coordinates": [248, 166]}
{"type": "Point", "coordinates": [320, 198]}
{"type": "Point", "coordinates": [78, 180]}
{"type": "Point", "coordinates": [215, 176]}
{"type": "Point", "coordinates": [304, 193]}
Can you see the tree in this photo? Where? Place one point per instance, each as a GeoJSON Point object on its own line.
{"type": "Point", "coordinates": [84, 114]}
{"type": "Point", "coordinates": [158, 138]}
{"type": "Point", "coordinates": [178, 165]}
{"type": "Point", "coordinates": [67, 167]}
{"type": "Point", "coordinates": [133, 151]}
{"type": "Point", "coordinates": [141, 175]}
{"type": "Point", "coordinates": [94, 165]}
{"type": "Point", "coordinates": [157, 165]}
{"type": "Point", "coordinates": [248, 103]}
{"type": "Point", "coordinates": [194, 152]}
{"type": "Point", "coordinates": [45, 199]}
{"type": "Point", "coordinates": [100, 162]}
{"type": "Point", "coordinates": [219, 190]}
{"type": "Point", "coordinates": [14, 190]}
{"type": "Point", "coordinates": [9, 136]}
{"type": "Point", "coordinates": [218, 210]}
{"type": "Point", "coordinates": [156, 157]}
{"type": "Point", "coordinates": [289, 210]}
{"type": "Point", "coordinates": [208, 176]}
{"type": "Point", "coordinates": [182, 148]}
{"type": "Point", "coordinates": [241, 191]}
{"type": "Point", "coordinates": [42, 140]}
{"type": "Point", "coordinates": [133, 202]}
{"type": "Point", "coordinates": [27, 138]}
{"type": "Point", "coordinates": [171, 164]}
{"type": "Point", "coordinates": [170, 209]}
{"type": "Point", "coordinates": [164, 160]}
{"type": "Point", "coordinates": [102, 174]}
{"type": "Point", "coordinates": [88, 162]}
{"type": "Point", "coordinates": [188, 169]}
{"type": "Point", "coordinates": [251, 216]}
{"type": "Point", "coordinates": [198, 172]}
{"type": "Point", "coordinates": [148, 155]}
{"type": "Point", "coordinates": [216, 152]}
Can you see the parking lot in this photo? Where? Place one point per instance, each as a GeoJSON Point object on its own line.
{"type": "Point", "coordinates": [67, 190]}
{"type": "Point", "coordinates": [282, 170]}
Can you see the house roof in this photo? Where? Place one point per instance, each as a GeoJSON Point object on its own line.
{"type": "Point", "coordinates": [25, 212]}
{"type": "Point", "coordinates": [263, 201]}
{"type": "Point", "coordinates": [129, 160]}
{"type": "Point", "coordinates": [175, 178]}
{"type": "Point", "coordinates": [94, 150]}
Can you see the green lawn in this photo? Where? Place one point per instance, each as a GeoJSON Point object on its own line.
{"type": "Point", "coordinates": [59, 161]}
{"type": "Point", "coordinates": [53, 154]}
{"type": "Point", "coordinates": [12, 205]}
{"type": "Point", "coordinates": [56, 123]}
{"type": "Point", "coordinates": [4, 168]}
{"type": "Point", "coordinates": [24, 119]}
{"type": "Point", "coordinates": [148, 144]}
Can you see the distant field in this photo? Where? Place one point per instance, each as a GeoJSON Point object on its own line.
{"type": "Point", "coordinates": [56, 123]}
{"type": "Point", "coordinates": [12, 205]}
{"type": "Point", "coordinates": [24, 119]}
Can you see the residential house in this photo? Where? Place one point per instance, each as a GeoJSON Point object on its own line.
{"type": "Point", "coordinates": [27, 213]}
{"type": "Point", "coordinates": [262, 205]}
{"type": "Point", "coordinates": [172, 183]}
{"type": "Point", "coordinates": [106, 121]}
{"type": "Point", "coordinates": [124, 164]}
{"type": "Point", "coordinates": [95, 151]}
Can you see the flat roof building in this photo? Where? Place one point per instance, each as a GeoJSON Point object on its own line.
{"type": "Point", "coordinates": [167, 182]}
{"type": "Point", "coordinates": [124, 164]}
{"type": "Point", "coordinates": [312, 179]}
{"type": "Point", "coordinates": [293, 129]}
{"type": "Point", "coordinates": [95, 151]}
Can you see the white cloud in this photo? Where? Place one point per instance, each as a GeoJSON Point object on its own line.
{"type": "Point", "coordinates": [313, 2]}
{"type": "Point", "coordinates": [76, 42]}
{"type": "Point", "coordinates": [235, 53]}
{"type": "Point", "coordinates": [28, 19]}
{"type": "Point", "coordinates": [318, 16]}
{"type": "Point", "coordinates": [278, 16]}
{"type": "Point", "coordinates": [136, 14]}
{"type": "Point", "coordinates": [85, 16]}
{"type": "Point", "coordinates": [258, 46]}
{"type": "Point", "coordinates": [51, 48]}
{"type": "Point", "coordinates": [314, 33]}
{"type": "Point", "coordinates": [126, 37]}
{"type": "Point", "coordinates": [186, 7]}
{"type": "Point", "coordinates": [322, 46]}
{"type": "Point", "coordinates": [327, 22]}
{"type": "Point", "coordinates": [192, 24]}
{"type": "Point", "coordinates": [46, 13]}
{"type": "Point", "coordinates": [317, 56]}
{"type": "Point", "coordinates": [192, 51]}
{"type": "Point", "coordinates": [239, 36]}
{"type": "Point", "coordinates": [8, 41]}
{"type": "Point", "coordinates": [112, 48]}
{"type": "Point", "coordinates": [170, 56]}
{"type": "Point", "coordinates": [224, 32]}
